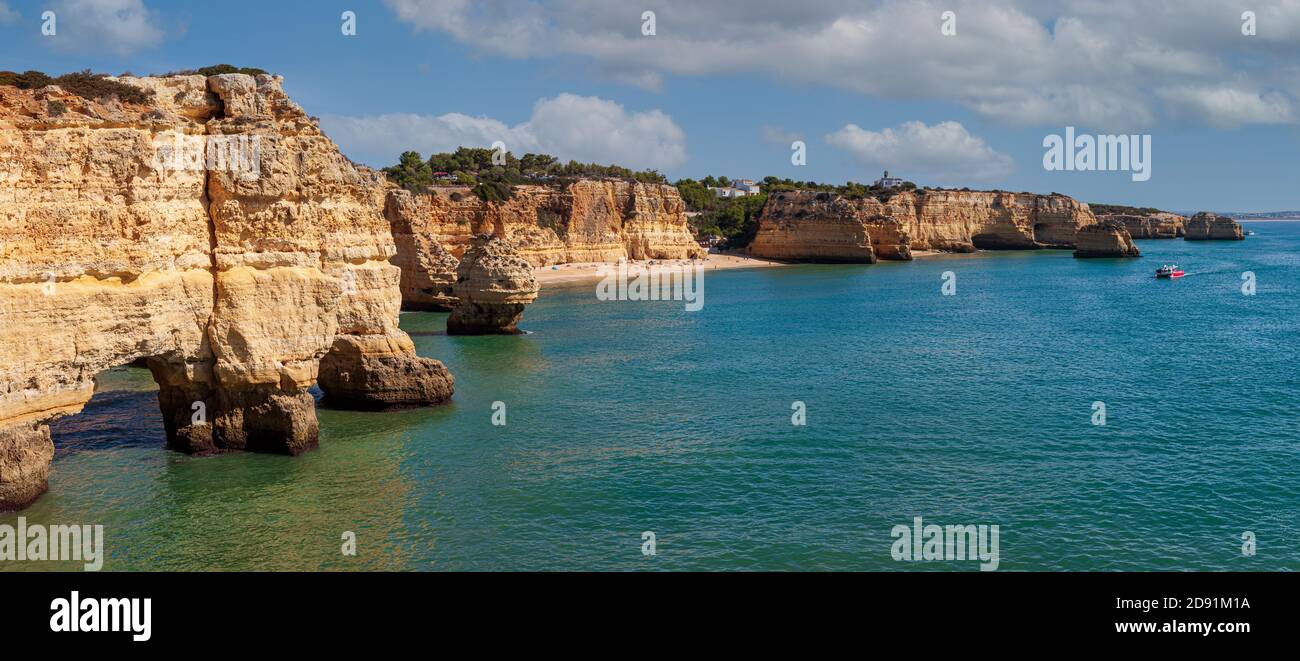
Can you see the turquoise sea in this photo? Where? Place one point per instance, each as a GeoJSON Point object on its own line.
{"type": "Point", "coordinates": [626, 417]}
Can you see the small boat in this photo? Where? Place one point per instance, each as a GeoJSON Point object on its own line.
{"type": "Point", "coordinates": [1169, 271]}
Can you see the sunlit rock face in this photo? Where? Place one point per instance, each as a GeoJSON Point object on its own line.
{"type": "Point", "coordinates": [493, 284]}
{"type": "Point", "coordinates": [1106, 238]}
{"type": "Point", "coordinates": [1206, 226]}
{"type": "Point", "coordinates": [588, 220]}
{"type": "Point", "coordinates": [213, 230]}
{"type": "Point", "coordinates": [1162, 225]}
{"type": "Point", "coordinates": [824, 226]}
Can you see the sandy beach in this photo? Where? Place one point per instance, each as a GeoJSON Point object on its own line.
{"type": "Point", "coordinates": [591, 270]}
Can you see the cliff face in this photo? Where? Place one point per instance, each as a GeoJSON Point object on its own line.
{"type": "Point", "coordinates": [1206, 226]}
{"type": "Point", "coordinates": [825, 226]}
{"type": "Point", "coordinates": [1106, 238]}
{"type": "Point", "coordinates": [214, 231]}
{"type": "Point", "coordinates": [1161, 225]}
{"type": "Point", "coordinates": [586, 221]}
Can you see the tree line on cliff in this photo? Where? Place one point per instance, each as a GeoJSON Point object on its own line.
{"type": "Point", "coordinates": [735, 219]}
{"type": "Point", "coordinates": [493, 175]}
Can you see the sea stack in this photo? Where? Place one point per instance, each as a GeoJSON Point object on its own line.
{"type": "Point", "coordinates": [493, 284]}
{"type": "Point", "coordinates": [1107, 238]}
{"type": "Point", "coordinates": [1206, 226]}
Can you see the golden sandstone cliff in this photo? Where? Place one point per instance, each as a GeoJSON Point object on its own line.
{"type": "Point", "coordinates": [824, 226]}
{"type": "Point", "coordinates": [1161, 225]}
{"type": "Point", "coordinates": [589, 220]}
{"type": "Point", "coordinates": [1206, 226]}
{"type": "Point", "coordinates": [215, 232]}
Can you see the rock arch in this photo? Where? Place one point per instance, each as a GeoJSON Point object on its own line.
{"type": "Point", "coordinates": [235, 282]}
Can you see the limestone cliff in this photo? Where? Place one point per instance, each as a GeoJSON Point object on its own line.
{"type": "Point", "coordinates": [1162, 225]}
{"type": "Point", "coordinates": [1106, 238]}
{"type": "Point", "coordinates": [212, 230]}
{"type": "Point", "coordinates": [1206, 226]}
{"type": "Point", "coordinates": [493, 284]}
{"type": "Point", "coordinates": [588, 220]}
{"type": "Point", "coordinates": [821, 226]}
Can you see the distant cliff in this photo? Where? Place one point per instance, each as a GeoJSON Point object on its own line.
{"type": "Point", "coordinates": [589, 220]}
{"type": "Point", "coordinates": [1206, 226]}
{"type": "Point", "coordinates": [823, 226]}
{"type": "Point", "coordinates": [1158, 225]}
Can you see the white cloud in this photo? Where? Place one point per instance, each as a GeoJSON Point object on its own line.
{"type": "Point", "coordinates": [778, 136]}
{"type": "Point", "coordinates": [1081, 62]}
{"type": "Point", "coordinates": [115, 26]}
{"type": "Point", "coordinates": [583, 128]}
{"type": "Point", "coordinates": [944, 152]}
{"type": "Point", "coordinates": [7, 15]}
{"type": "Point", "coordinates": [1227, 107]}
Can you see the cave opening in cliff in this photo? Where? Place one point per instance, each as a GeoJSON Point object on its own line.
{"type": "Point", "coordinates": [122, 413]}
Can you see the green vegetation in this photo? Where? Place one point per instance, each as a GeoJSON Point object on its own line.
{"type": "Point", "coordinates": [736, 218]}
{"type": "Point", "coordinates": [1100, 209]}
{"type": "Point", "coordinates": [87, 85]}
{"type": "Point", "coordinates": [56, 108]}
{"type": "Point", "coordinates": [473, 166]}
{"type": "Point", "coordinates": [215, 70]}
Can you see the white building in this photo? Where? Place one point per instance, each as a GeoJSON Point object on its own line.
{"type": "Point", "coordinates": [738, 188]}
{"type": "Point", "coordinates": [888, 181]}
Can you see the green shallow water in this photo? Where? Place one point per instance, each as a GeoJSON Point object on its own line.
{"type": "Point", "coordinates": [626, 417]}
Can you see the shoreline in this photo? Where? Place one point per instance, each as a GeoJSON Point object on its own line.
{"type": "Point", "coordinates": [580, 271]}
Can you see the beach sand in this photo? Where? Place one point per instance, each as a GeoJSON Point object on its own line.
{"type": "Point", "coordinates": [591, 270]}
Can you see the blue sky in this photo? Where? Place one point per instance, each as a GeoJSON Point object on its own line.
{"type": "Point", "coordinates": [724, 89]}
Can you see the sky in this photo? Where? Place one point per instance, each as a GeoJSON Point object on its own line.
{"type": "Point", "coordinates": [945, 93]}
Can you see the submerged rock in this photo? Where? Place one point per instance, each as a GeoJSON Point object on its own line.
{"type": "Point", "coordinates": [1206, 226]}
{"type": "Point", "coordinates": [1107, 238]}
{"type": "Point", "coordinates": [493, 284]}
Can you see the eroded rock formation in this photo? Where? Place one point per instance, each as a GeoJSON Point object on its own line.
{"type": "Point", "coordinates": [824, 227]}
{"type": "Point", "coordinates": [820, 226]}
{"type": "Point", "coordinates": [493, 284]}
{"type": "Point", "coordinates": [1206, 226]}
{"type": "Point", "coordinates": [1106, 238]}
{"type": "Point", "coordinates": [1162, 225]}
{"type": "Point", "coordinates": [213, 230]}
{"type": "Point", "coordinates": [586, 221]}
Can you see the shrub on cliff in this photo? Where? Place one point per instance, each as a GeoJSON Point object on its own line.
{"type": "Point", "coordinates": [494, 191]}
{"type": "Point", "coordinates": [215, 70]}
{"type": "Point", "coordinates": [1102, 209]}
{"type": "Point", "coordinates": [87, 85]}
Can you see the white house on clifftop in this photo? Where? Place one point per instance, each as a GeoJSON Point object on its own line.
{"type": "Point", "coordinates": [888, 181]}
{"type": "Point", "coordinates": [738, 188]}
